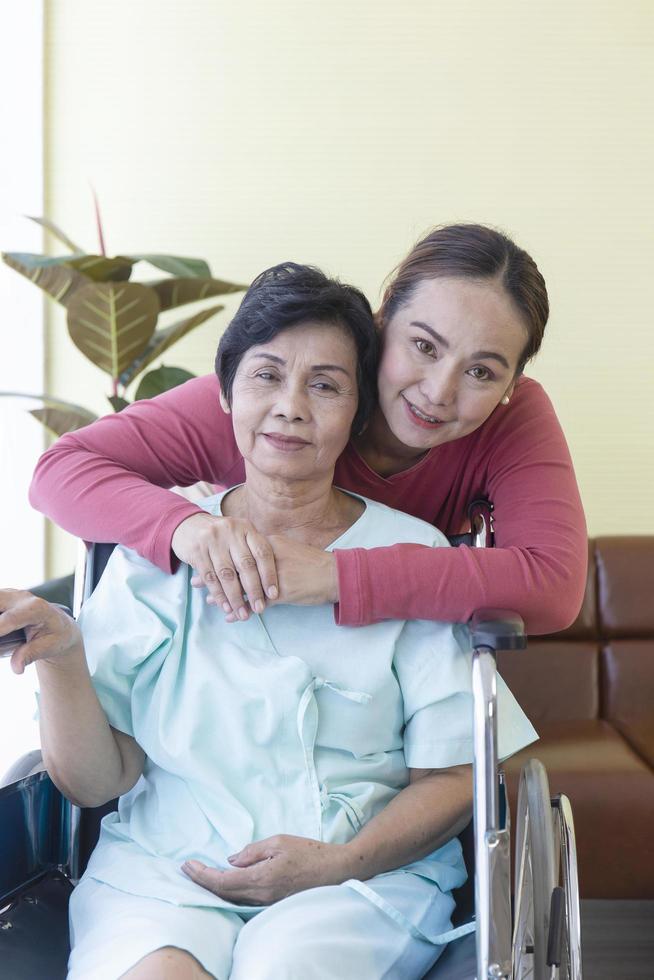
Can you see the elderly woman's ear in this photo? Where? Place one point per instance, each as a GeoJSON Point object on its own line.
{"type": "Point", "coordinates": [224, 404]}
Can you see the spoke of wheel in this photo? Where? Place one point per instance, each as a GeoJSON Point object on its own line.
{"type": "Point", "coordinates": [535, 874]}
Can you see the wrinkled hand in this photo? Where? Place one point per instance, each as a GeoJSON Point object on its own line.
{"type": "Point", "coordinates": [271, 869]}
{"type": "Point", "coordinates": [307, 575]}
{"type": "Point", "coordinates": [231, 559]}
{"type": "Point", "coordinates": [51, 634]}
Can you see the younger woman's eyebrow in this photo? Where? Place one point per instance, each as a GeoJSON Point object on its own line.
{"type": "Point", "coordinates": [485, 354]}
{"type": "Point", "coordinates": [315, 367]}
{"type": "Point", "coordinates": [445, 343]}
{"type": "Point", "coordinates": [430, 330]}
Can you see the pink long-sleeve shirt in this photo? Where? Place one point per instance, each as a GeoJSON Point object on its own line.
{"type": "Point", "coordinates": [108, 482]}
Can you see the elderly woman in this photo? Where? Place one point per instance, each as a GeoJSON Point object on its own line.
{"type": "Point", "coordinates": [290, 791]}
{"type": "Point", "coordinates": [456, 419]}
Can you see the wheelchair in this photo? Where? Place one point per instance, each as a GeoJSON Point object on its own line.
{"type": "Point", "coordinates": [45, 841]}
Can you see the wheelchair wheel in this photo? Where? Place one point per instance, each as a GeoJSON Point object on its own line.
{"type": "Point", "coordinates": [570, 967]}
{"type": "Point", "coordinates": [535, 874]}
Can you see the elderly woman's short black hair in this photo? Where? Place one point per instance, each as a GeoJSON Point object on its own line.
{"type": "Point", "coordinates": [287, 295]}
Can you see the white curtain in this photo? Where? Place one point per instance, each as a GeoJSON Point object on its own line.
{"type": "Point", "coordinates": [21, 340]}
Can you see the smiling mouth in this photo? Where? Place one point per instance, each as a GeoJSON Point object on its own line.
{"type": "Point", "coordinates": [422, 416]}
{"type": "Point", "coordinates": [285, 443]}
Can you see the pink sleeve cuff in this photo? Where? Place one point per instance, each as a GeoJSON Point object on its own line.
{"type": "Point", "coordinates": [353, 588]}
{"type": "Point", "coordinates": [161, 553]}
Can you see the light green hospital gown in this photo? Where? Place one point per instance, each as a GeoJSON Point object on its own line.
{"type": "Point", "coordinates": [284, 724]}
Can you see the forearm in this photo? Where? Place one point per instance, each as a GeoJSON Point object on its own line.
{"type": "Point", "coordinates": [421, 818]}
{"type": "Point", "coordinates": [106, 481]}
{"type": "Point", "coordinates": [86, 759]}
{"type": "Point", "coordinates": [90, 496]}
{"type": "Point", "coordinates": [429, 812]}
{"type": "Point", "coordinates": [412, 581]}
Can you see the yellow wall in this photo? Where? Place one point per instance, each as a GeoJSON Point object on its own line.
{"type": "Point", "coordinates": [336, 132]}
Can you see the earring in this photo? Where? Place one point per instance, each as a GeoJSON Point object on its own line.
{"type": "Point", "coordinates": [505, 400]}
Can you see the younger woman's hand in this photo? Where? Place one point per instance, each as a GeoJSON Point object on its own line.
{"type": "Point", "coordinates": [271, 869]}
{"type": "Point", "coordinates": [232, 560]}
{"type": "Point", "coordinates": [307, 575]}
{"type": "Point", "coordinates": [51, 635]}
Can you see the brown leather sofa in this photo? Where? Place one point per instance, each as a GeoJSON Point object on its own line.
{"type": "Point", "coordinates": [589, 692]}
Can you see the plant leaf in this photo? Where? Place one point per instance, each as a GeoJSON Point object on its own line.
{"type": "Point", "coordinates": [112, 323]}
{"type": "Point", "coordinates": [102, 269]}
{"type": "Point", "coordinates": [47, 400]}
{"type": "Point", "coordinates": [57, 232]}
{"type": "Point", "coordinates": [179, 290]}
{"type": "Point", "coordinates": [117, 403]}
{"type": "Point", "coordinates": [175, 264]}
{"type": "Point", "coordinates": [163, 339]}
{"type": "Point", "coordinates": [61, 420]}
{"type": "Point", "coordinates": [31, 261]}
{"type": "Point", "coordinates": [164, 378]}
{"type": "Point", "coordinates": [54, 278]}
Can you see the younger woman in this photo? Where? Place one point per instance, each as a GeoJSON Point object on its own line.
{"type": "Point", "coordinates": [456, 420]}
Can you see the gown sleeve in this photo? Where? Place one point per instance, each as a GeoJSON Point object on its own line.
{"type": "Point", "coordinates": [108, 481]}
{"type": "Point", "coordinates": [129, 624]}
{"type": "Point", "coordinates": [433, 663]}
{"type": "Point", "coordinates": [538, 565]}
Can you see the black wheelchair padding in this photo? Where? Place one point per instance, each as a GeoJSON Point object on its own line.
{"type": "Point", "coordinates": [34, 931]}
{"type": "Point", "coordinates": [89, 830]}
{"type": "Point", "coordinates": [34, 820]}
{"type": "Point", "coordinates": [34, 849]}
{"type": "Point", "coordinates": [99, 555]}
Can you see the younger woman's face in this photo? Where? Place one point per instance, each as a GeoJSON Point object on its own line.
{"type": "Point", "coordinates": [449, 356]}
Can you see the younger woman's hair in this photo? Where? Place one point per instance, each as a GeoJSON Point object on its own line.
{"type": "Point", "coordinates": [290, 294]}
{"type": "Point", "coordinates": [469, 251]}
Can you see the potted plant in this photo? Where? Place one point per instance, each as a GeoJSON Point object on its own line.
{"type": "Point", "coordinates": [114, 321]}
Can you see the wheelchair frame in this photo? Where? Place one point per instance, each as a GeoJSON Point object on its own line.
{"type": "Point", "coordinates": [541, 941]}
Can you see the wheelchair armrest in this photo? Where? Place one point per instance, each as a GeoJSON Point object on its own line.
{"type": "Point", "coordinates": [27, 765]}
{"type": "Point", "coordinates": [497, 629]}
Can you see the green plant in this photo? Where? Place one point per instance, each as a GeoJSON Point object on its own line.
{"type": "Point", "coordinates": [114, 321]}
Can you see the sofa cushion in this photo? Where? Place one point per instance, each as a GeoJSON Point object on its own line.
{"type": "Point", "coordinates": [553, 682]}
{"type": "Point", "coordinates": [628, 692]}
{"type": "Point", "coordinates": [625, 570]}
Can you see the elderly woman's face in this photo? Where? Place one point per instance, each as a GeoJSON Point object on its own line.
{"type": "Point", "coordinates": [449, 356]}
{"type": "Point", "coordinates": [294, 399]}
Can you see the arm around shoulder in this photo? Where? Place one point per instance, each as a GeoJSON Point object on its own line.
{"type": "Point", "coordinates": [106, 481]}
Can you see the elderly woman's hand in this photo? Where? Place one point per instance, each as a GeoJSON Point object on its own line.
{"type": "Point", "coordinates": [50, 633]}
{"type": "Point", "coordinates": [231, 559]}
{"type": "Point", "coordinates": [271, 869]}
